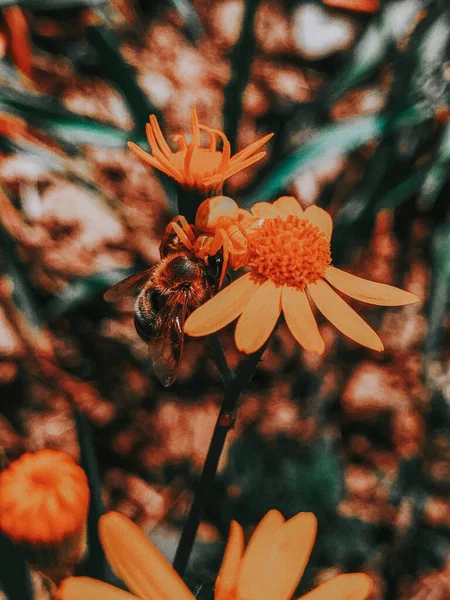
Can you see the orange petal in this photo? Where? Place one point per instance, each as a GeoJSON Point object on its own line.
{"type": "Point", "coordinates": [75, 588]}
{"type": "Point", "coordinates": [259, 318]}
{"type": "Point", "coordinates": [319, 217]}
{"type": "Point", "coordinates": [138, 562]}
{"type": "Point", "coordinates": [164, 146]}
{"type": "Point", "coordinates": [256, 552]}
{"type": "Point", "coordinates": [354, 586]}
{"type": "Point", "coordinates": [251, 149]}
{"type": "Point", "coordinates": [301, 321]}
{"type": "Point", "coordinates": [264, 210]}
{"type": "Point", "coordinates": [227, 579]}
{"type": "Point", "coordinates": [149, 159]}
{"type": "Point", "coordinates": [282, 558]}
{"type": "Point", "coordinates": [367, 6]}
{"type": "Point", "coordinates": [342, 316]}
{"type": "Point", "coordinates": [368, 291]}
{"type": "Point", "coordinates": [223, 308]}
{"type": "Point", "coordinates": [288, 205]}
{"type": "Point", "coordinates": [241, 165]}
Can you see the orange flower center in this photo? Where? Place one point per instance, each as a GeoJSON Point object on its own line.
{"type": "Point", "coordinates": [203, 163]}
{"type": "Point", "coordinates": [290, 251]}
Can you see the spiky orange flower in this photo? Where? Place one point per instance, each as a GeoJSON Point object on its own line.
{"type": "Point", "coordinates": [269, 569]}
{"type": "Point", "coordinates": [290, 263]}
{"type": "Point", "coordinates": [193, 166]}
{"type": "Point", "coordinates": [44, 498]}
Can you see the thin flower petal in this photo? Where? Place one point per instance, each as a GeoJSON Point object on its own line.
{"type": "Point", "coordinates": [342, 316]}
{"type": "Point", "coordinates": [85, 588]}
{"type": "Point", "coordinates": [319, 217]}
{"type": "Point", "coordinates": [282, 561]}
{"type": "Point", "coordinates": [259, 318]}
{"type": "Point", "coordinates": [150, 160]}
{"type": "Point", "coordinates": [223, 308]}
{"type": "Point", "coordinates": [301, 321]}
{"type": "Point", "coordinates": [264, 210]}
{"type": "Point", "coordinates": [240, 166]}
{"type": "Point", "coordinates": [165, 149]}
{"type": "Point", "coordinates": [368, 291]}
{"type": "Point", "coordinates": [226, 581]}
{"type": "Point", "coordinates": [251, 149]}
{"type": "Point", "coordinates": [288, 205]}
{"type": "Point", "coordinates": [138, 562]}
{"type": "Point", "coordinates": [353, 586]}
{"type": "Point", "coordinates": [256, 552]}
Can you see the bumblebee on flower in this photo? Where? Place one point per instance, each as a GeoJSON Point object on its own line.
{"type": "Point", "coordinates": [285, 250]}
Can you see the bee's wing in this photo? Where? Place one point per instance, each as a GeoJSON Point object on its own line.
{"type": "Point", "coordinates": [128, 286]}
{"type": "Point", "coordinates": [167, 349]}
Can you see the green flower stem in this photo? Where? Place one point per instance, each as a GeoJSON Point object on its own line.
{"type": "Point", "coordinates": [236, 385]}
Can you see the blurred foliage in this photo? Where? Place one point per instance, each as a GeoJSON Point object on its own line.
{"type": "Point", "coordinates": [396, 156]}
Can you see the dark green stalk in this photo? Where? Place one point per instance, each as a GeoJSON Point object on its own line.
{"type": "Point", "coordinates": [225, 421]}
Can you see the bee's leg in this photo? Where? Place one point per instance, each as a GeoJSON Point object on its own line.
{"type": "Point", "coordinates": [186, 236]}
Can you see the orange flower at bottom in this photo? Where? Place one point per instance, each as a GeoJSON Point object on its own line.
{"type": "Point", "coordinates": [269, 569]}
{"type": "Point", "coordinates": [44, 503]}
{"type": "Point", "coordinates": [290, 258]}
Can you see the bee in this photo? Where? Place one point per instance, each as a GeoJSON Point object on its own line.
{"type": "Point", "coordinates": [167, 293]}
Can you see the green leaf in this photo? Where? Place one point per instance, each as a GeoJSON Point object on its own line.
{"type": "Point", "coordinates": [190, 17]}
{"type": "Point", "coordinates": [372, 48]}
{"type": "Point", "coordinates": [438, 173]}
{"type": "Point", "coordinates": [240, 73]}
{"type": "Point", "coordinates": [23, 295]}
{"type": "Point", "coordinates": [15, 578]}
{"type": "Point", "coordinates": [119, 72]}
{"type": "Point", "coordinates": [95, 565]}
{"type": "Point", "coordinates": [81, 291]}
{"type": "Point", "coordinates": [57, 4]}
{"type": "Point", "coordinates": [50, 115]}
{"type": "Point", "coordinates": [332, 140]}
{"type": "Point", "coordinates": [439, 298]}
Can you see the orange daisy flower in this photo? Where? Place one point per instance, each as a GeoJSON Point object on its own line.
{"type": "Point", "coordinates": [193, 166]}
{"type": "Point", "coordinates": [44, 504]}
{"type": "Point", "coordinates": [290, 263]}
{"type": "Point", "coordinates": [269, 569]}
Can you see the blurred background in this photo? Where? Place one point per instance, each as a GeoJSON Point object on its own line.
{"type": "Point", "coordinates": [357, 94]}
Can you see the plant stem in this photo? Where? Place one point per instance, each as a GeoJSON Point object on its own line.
{"type": "Point", "coordinates": [225, 421]}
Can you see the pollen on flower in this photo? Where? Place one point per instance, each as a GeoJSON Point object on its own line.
{"type": "Point", "coordinates": [290, 251]}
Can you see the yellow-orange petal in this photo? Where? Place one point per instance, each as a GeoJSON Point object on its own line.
{"type": "Point", "coordinates": [85, 588]}
{"type": "Point", "coordinates": [240, 166]}
{"type": "Point", "coordinates": [283, 562]}
{"type": "Point", "coordinates": [251, 149]}
{"type": "Point", "coordinates": [319, 217]}
{"type": "Point", "coordinates": [353, 586]}
{"type": "Point", "coordinates": [259, 318]}
{"type": "Point", "coordinates": [301, 321]}
{"type": "Point", "coordinates": [288, 205]}
{"type": "Point", "coordinates": [367, 6]}
{"type": "Point", "coordinates": [143, 568]}
{"type": "Point", "coordinates": [149, 159]}
{"type": "Point", "coordinates": [342, 316]}
{"type": "Point", "coordinates": [226, 581]}
{"type": "Point", "coordinates": [371, 292]}
{"type": "Point", "coordinates": [264, 210]}
{"type": "Point", "coordinates": [257, 550]}
{"type": "Point", "coordinates": [223, 308]}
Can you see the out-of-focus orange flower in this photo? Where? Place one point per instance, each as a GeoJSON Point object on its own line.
{"type": "Point", "coordinates": [44, 502]}
{"type": "Point", "coordinates": [367, 6]}
{"type": "Point", "coordinates": [269, 569]}
{"type": "Point", "coordinates": [290, 257]}
{"type": "Point", "coordinates": [193, 166]}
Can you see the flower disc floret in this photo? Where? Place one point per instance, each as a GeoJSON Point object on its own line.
{"type": "Point", "coordinates": [290, 251]}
